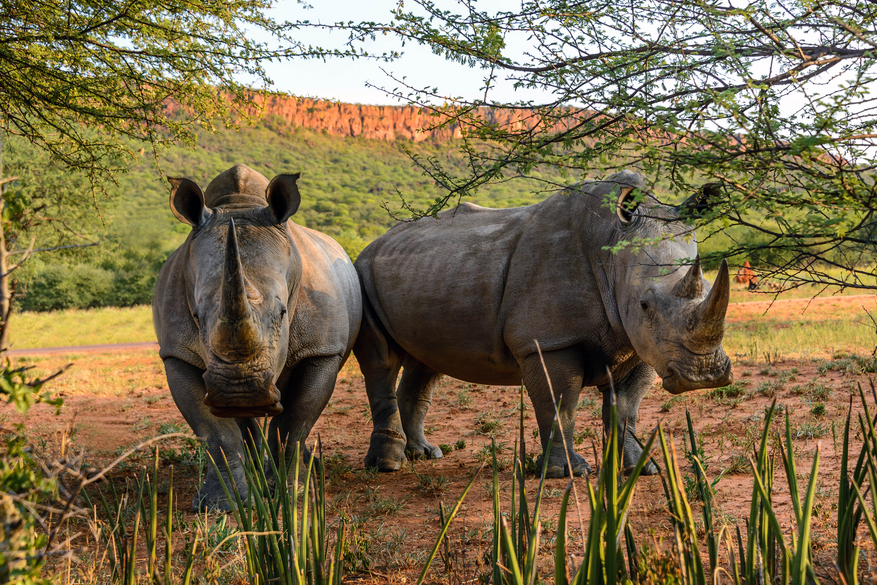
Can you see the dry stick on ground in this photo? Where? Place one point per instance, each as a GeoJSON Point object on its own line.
{"type": "Point", "coordinates": [559, 425]}
{"type": "Point", "coordinates": [85, 481]}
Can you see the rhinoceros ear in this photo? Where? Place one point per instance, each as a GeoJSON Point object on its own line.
{"type": "Point", "coordinates": [283, 196]}
{"type": "Point", "coordinates": [698, 203]}
{"type": "Point", "coordinates": [626, 205]}
{"type": "Point", "coordinates": [187, 202]}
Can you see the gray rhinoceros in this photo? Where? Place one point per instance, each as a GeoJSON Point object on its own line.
{"type": "Point", "coordinates": [254, 314]}
{"type": "Point", "coordinates": [467, 294]}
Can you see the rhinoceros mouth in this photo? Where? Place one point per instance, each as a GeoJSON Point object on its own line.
{"type": "Point", "coordinates": [675, 382]}
{"type": "Point", "coordinates": [240, 396]}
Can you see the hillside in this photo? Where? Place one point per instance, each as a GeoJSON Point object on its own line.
{"type": "Point", "coordinates": [353, 162]}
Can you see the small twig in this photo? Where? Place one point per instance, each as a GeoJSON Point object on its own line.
{"type": "Point", "coordinates": [26, 253]}
{"type": "Point", "coordinates": [83, 482]}
{"type": "Point", "coordinates": [873, 322]}
{"type": "Point", "coordinates": [53, 249]}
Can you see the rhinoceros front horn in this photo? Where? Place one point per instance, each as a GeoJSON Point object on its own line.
{"type": "Point", "coordinates": [236, 335]}
{"type": "Point", "coordinates": [691, 285]}
{"type": "Point", "coordinates": [710, 314]}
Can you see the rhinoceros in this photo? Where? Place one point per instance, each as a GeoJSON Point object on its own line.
{"type": "Point", "coordinates": [468, 294]}
{"type": "Point", "coordinates": [254, 315]}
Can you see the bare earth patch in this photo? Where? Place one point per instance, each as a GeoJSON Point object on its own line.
{"type": "Point", "coordinates": [114, 400]}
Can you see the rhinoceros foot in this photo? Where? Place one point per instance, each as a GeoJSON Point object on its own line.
{"type": "Point", "coordinates": [386, 451]}
{"type": "Point", "coordinates": [648, 469]}
{"type": "Point", "coordinates": [211, 497]}
{"type": "Point", "coordinates": [211, 500]}
{"type": "Point", "coordinates": [558, 467]}
{"type": "Point", "coordinates": [422, 450]}
{"type": "Point", "coordinates": [631, 454]}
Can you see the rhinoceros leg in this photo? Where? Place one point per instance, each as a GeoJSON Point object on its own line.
{"type": "Point", "coordinates": [566, 374]}
{"type": "Point", "coordinates": [415, 396]}
{"type": "Point", "coordinates": [380, 361]}
{"type": "Point", "coordinates": [222, 435]}
{"type": "Point", "coordinates": [629, 393]}
{"type": "Point", "coordinates": [304, 397]}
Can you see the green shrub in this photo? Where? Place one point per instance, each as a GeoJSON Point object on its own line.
{"type": "Point", "coordinates": [23, 483]}
{"type": "Point", "coordinates": [61, 286]}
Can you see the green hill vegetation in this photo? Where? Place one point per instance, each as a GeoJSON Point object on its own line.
{"type": "Point", "coordinates": [347, 186]}
{"type": "Point", "coordinates": [351, 189]}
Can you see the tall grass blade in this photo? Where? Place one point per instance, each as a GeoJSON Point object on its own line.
{"type": "Point", "coordinates": [801, 568]}
{"type": "Point", "coordinates": [447, 525]}
{"type": "Point", "coordinates": [561, 575]}
{"type": "Point", "coordinates": [682, 518]}
{"type": "Point", "coordinates": [706, 496]}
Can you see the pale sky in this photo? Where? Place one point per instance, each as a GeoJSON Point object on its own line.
{"type": "Point", "coordinates": [346, 80]}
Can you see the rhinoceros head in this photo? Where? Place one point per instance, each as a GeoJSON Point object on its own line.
{"type": "Point", "coordinates": [674, 319]}
{"type": "Point", "coordinates": [242, 274]}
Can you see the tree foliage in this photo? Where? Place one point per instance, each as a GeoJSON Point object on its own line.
{"type": "Point", "coordinates": [346, 184]}
{"type": "Point", "coordinates": [770, 100]}
{"type": "Point", "coordinates": [79, 76]}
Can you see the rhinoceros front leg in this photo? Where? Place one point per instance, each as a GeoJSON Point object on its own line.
{"type": "Point", "coordinates": [380, 361]}
{"type": "Point", "coordinates": [304, 397]}
{"type": "Point", "coordinates": [222, 435]}
{"type": "Point", "coordinates": [629, 393]}
{"type": "Point", "coordinates": [415, 396]}
{"type": "Point", "coordinates": [566, 373]}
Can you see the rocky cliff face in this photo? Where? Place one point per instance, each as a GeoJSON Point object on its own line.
{"type": "Point", "coordinates": [375, 122]}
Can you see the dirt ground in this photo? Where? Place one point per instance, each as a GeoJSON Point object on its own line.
{"type": "Point", "coordinates": [395, 516]}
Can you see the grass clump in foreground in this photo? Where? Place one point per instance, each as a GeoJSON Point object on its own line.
{"type": "Point", "coordinates": [759, 553]}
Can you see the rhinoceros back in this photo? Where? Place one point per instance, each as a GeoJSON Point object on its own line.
{"type": "Point", "coordinates": [437, 286]}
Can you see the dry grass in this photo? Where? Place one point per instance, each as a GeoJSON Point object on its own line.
{"type": "Point", "coordinates": [82, 327]}
{"type": "Point", "coordinates": [99, 374]}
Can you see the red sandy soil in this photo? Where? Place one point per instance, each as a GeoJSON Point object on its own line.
{"type": "Point", "coordinates": [399, 540]}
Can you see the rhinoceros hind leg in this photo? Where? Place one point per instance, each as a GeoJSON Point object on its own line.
{"type": "Point", "coordinates": [566, 373]}
{"type": "Point", "coordinates": [380, 360]}
{"type": "Point", "coordinates": [415, 397]}
{"type": "Point", "coordinates": [629, 393]}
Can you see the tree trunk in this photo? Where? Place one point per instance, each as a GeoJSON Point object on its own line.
{"type": "Point", "coordinates": [5, 293]}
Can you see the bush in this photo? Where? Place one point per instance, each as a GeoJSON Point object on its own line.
{"type": "Point", "coordinates": [22, 484]}
{"type": "Point", "coordinates": [61, 286]}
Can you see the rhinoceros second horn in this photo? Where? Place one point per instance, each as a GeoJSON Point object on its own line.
{"type": "Point", "coordinates": [691, 285]}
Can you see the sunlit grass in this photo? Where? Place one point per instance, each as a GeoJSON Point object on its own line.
{"type": "Point", "coordinates": [81, 327]}
{"type": "Point", "coordinates": [804, 336]}
{"type": "Point", "coordinates": [114, 373]}
{"type": "Point", "coordinates": [815, 332]}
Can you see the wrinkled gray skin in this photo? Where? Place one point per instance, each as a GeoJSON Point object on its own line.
{"type": "Point", "coordinates": [466, 295]}
{"type": "Point", "coordinates": [254, 314]}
